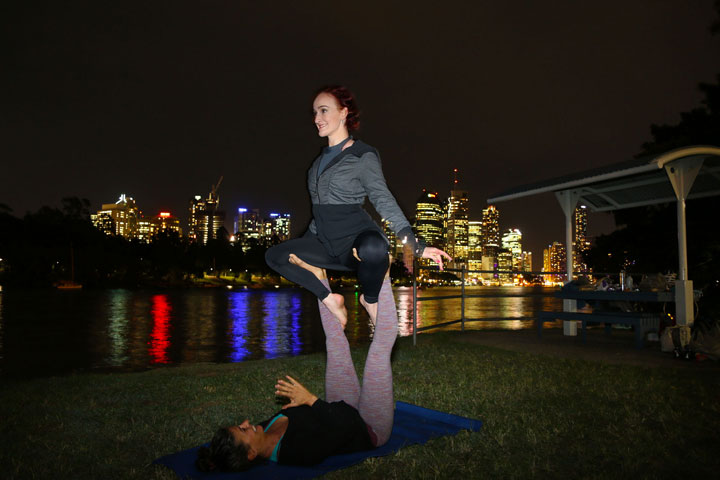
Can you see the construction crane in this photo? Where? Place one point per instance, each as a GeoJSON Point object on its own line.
{"type": "Point", "coordinates": [213, 192]}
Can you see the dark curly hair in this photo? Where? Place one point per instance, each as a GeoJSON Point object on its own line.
{"type": "Point", "coordinates": [346, 100]}
{"type": "Point", "coordinates": [224, 455]}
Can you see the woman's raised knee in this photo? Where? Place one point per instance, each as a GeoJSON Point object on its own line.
{"type": "Point", "coordinates": [276, 255]}
{"type": "Point", "coordinates": [371, 247]}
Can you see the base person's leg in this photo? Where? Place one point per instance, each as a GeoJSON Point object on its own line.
{"type": "Point", "coordinates": [377, 405]}
{"type": "Point", "coordinates": [341, 381]}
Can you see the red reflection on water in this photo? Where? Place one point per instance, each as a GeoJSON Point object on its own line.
{"type": "Point", "coordinates": [160, 336]}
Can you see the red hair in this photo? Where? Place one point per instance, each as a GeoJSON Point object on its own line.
{"type": "Point", "coordinates": [347, 100]}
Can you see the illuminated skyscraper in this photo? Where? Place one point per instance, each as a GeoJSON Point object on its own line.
{"type": "Point", "coordinates": [119, 218]}
{"type": "Point", "coordinates": [124, 218]}
{"type": "Point", "coordinates": [102, 220]}
{"type": "Point", "coordinates": [195, 213]}
{"type": "Point", "coordinates": [248, 227]}
{"type": "Point", "coordinates": [251, 229]}
{"type": "Point", "coordinates": [505, 264]}
{"type": "Point", "coordinates": [142, 232]}
{"type": "Point", "coordinates": [456, 233]}
{"type": "Point", "coordinates": [554, 261]}
{"type": "Point", "coordinates": [580, 241]}
{"type": "Point", "coordinates": [526, 263]}
{"type": "Point", "coordinates": [280, 226]}
{"type": "Point", "coordinates": [491, 227]}
{"type": "Point", "coordinates": [474, 247]}
{"type": "Point", "coordinates": [164, 222]}
{"type": "Point", "coordinates": [395, 248]}
{"type": "Point", "coordinates": [490, 241]}
{"type": "Point", "coordinates": [429, 221]}
{"type": "Point", "coordinates": [275, 229]}
{"type": "Point", "coordinates": [512, 241]}
{"type": "Point", "coordinates": [205, 218]}
{"type": "Point", "coordinates": [490, 265]}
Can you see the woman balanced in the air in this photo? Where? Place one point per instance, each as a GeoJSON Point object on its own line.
{"type": "Point", "coordinates": [342, 236]}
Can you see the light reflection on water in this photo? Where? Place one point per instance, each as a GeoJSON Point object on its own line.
{"type": "Point", "coordinates": [50, 332]}
{"type": "Point", "coordinates": [160, 335]}
{"type": "Point", "coordinates": [520, 311]}
{"type": "Point", "coordinates": [281, 325]}
{"type": "Point", "coordinates": [118, 320]}
{"type": "Point", "coordinates": [238, 333]}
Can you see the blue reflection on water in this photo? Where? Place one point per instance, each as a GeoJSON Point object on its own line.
{"type": "Point", "coordinates": [296, 311]}
{"type": "Point", "coordinates": [272, 342]}
{"type": "Point", "coordinates": [281, 324]}
{"type": "Point", "coordinates": [239, 332]}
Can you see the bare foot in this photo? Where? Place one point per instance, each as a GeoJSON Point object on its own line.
{"type": "Point", "coordinates": [371, 308]}
{"type": "Point", "coordinates": [336, 304]}
{"type": "Point", "coordinates": [317, 271]}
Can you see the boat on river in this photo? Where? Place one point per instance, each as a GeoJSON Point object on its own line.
{"type": "Point", "coordinates": [68, 285]}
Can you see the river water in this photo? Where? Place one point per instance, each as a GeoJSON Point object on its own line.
{"type": "Point", "coordinates": [45, 333]}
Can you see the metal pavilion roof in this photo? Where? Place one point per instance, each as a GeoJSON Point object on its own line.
{"type": "Point", "coordinates": [637, 182]}
{"type": "Point", "coordinates": [685, 173]}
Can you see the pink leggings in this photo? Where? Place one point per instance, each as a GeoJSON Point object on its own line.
{"type": "Point", "coordinates": [374, 400]}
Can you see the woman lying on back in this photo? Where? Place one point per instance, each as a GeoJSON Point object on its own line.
{"type": "Point", "coordinates": [308, 429]}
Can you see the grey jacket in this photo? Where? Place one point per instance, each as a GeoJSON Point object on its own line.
{"type": "Point", "coordinates": [338, 194]}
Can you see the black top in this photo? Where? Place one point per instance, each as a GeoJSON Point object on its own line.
{"type": "Point", "coordinates": [317, 432]}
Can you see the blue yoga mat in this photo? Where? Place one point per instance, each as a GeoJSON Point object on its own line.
{"type": "Point", "coordinates": [412, 425]}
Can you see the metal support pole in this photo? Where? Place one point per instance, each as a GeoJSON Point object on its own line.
{"type": "Point", "coordinates": [414, 275]}
{"type": "Point", "coordinates": [462, 301]}
{"type": "Point", "coordinates": [682, 174]}
{"type": "Point", "coordinates": [568, 200]}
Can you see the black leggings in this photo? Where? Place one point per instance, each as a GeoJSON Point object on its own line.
{"type": "Point", "coordinates": [371, 246]}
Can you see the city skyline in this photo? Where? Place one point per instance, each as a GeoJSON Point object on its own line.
{"type": "Point", "coordinates": [434, 221]}
{"type": "Point", "coordinates": [204, 222]}
{"type": "Point", "coordinates": [159, 101]}
{"type": "Point", "coordinates": [482, 244]}
{"type": "Point", "coordinates": [230, 221]}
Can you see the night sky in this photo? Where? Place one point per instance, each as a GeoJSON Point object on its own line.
{"type": "Point", "coordinates": [157, 100]}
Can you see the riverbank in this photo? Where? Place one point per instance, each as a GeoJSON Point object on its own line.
{"type": "Point", "coordinates": [544, 415]}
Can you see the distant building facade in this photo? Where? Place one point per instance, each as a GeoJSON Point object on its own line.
{"type": "Point", "coordinates": [164, 222]}
{"type": "Point", "coordinates": [119, 218]}
{"type": "Point", "coordinates": [505, 265]}
{"type": "Point", "coordinates": [429, 219]}
{"type": "Point", "coordinates": [511, 240]}
{"type": "Point", "coordinates": [395, 247]}
{"type": "Point", "coordinates": [491, 227]}
{"type": "Point", "coordinates": [581, 244]}
{"type": "Point", "coordinates": [456, 234]}
{"type": "Point", "coordinates": [125, 219]}
{"type": "Point", "coordinates": [248, 227]}
{"type": "Point", "coordinates": [475, 248]}
{"type": "Point", "coordinates": [554, 260]}
{"type": "Point", "coordinates": [276, 228]}
{"type": "Point", "coordinates": [252, 229]}
{"type": "Point", "coordinates": [205, 218]}
{"type": "Point", "coordinates": [526, 262]}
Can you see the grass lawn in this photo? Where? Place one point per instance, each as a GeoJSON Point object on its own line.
{"type": "Point", "coordinates": [543, 416]}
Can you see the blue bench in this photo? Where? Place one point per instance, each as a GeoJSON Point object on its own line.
{"type": "Point", "coordinates": [642, 322]}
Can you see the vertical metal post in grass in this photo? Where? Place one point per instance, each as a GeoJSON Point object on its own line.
{"type": "Point", "coordinates": [414, 275]}
{"type": "Point", "coordinates": [462, 300]}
